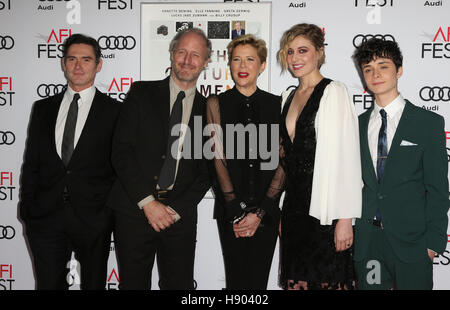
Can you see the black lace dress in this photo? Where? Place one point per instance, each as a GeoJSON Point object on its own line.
{"type": "Point", "coordinates": [307, 248]}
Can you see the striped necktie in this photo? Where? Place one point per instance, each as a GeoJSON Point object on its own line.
{"type": "Point", "coordinates": [382, 152]}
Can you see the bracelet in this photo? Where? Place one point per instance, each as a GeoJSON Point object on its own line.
{"type": "Point", "coordinates": [237, 219]}
{"type": "Point", "coordinates": [260, 213]}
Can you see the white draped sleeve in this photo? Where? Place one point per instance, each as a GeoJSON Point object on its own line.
{"type": "Point", "coordinates": [337, 182]}
{"type": "Point", "coordinates": [284, 95]}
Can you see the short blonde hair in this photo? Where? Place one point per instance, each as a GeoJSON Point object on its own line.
{"type": "Point", "coordinates": [311, 32]}
{"type": "Point", "coordinates": [258, 44]}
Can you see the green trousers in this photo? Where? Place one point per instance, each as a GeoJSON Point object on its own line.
{"type": "Point", "coordinates": [382, 270]}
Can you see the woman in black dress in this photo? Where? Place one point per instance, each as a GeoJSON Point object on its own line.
{"type": "Point", "coordinates": [247, 222]}
{"type": "Point", "coordinates": [321, 161]}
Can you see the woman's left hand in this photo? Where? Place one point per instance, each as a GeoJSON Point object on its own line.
{"type": "Point", "coordinates": [247, 227]}
{"type": "Point", "coordinates": [343, 235]}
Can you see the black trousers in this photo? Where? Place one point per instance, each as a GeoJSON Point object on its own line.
{"type": "Point", "coordinates": [52, 241]}
{"type": "Point", "coordinates": [247, 260]}
{"type": "Point", "coordinates": [137, 243]}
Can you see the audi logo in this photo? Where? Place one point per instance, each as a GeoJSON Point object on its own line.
{"type": "Point", "coordinates": [7, 232]}
{"type": "Point", "coordinates": [7, 137]}
{"type": "Point", "coordinates": [117, 42]}
{"type": "Point", "coordinates": [362, 38]}
{"type": "Point", "coordinates": [435, 93]}
{"type": "Point", "coordinates": [46, 90]}
{"type": "Point", "coordinates": [6, 42]}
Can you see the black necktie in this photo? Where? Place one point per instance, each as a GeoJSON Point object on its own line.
{"type": "Point", "coordinates": [69, 131]}
{"type": "Point", "coordinates": [382, 151]}
{"type": "Point", "coordinates": [167, 174]}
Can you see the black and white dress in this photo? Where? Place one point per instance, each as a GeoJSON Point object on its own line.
{"type": "Point", "coordinates": [322, 184]}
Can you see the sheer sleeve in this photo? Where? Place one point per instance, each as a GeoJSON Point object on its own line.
{"type": "Point", "coordinates": [277, 184]}
{"type": "Point", "coordinates": [278, 181]}
{"type": "Point", "coordinates": [270, 203]}
{"type": "Point", "coordinates": [234, 208]}
{"type": "Point", "coordinates": [220, 162]}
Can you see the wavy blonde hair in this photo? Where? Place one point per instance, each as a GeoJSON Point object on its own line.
{"type": "Point", "coordinates": [311, 32]}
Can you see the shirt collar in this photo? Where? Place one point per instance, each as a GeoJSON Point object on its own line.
{"type": "Point", "coordinates": [252, 97]}
{"type": "Point", "coordinates": [86, 95]}
{"type": "Point", "coordinates": [392, 108]}
{"type": "Point", "coordinates": [174, 89]}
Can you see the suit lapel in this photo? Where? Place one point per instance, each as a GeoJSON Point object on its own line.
{"type": "Point", "coordinates": [366, 158]}
{"type": "Point", "coordinates": [197, 110]}
{"type": "Point", "coordinates": [55, 104]}
{"type": "Point", "coordinates": [404, 123]}
{"type": "Point", "coordinates": [163, 105]}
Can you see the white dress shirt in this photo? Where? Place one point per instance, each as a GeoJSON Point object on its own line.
{"type": "Point", "coordinates": [394, 111]}
{"type": "Point", "coordinates": [84, 106]}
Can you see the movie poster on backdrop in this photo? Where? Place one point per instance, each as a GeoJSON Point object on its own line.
{"type": "Point", "coordinates": [219, 21]}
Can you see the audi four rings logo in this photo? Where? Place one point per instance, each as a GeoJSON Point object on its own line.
{"type": "Point", "coordinates": [117, 42]}
{"type": "Point", "coordinates": [361, 38]}
{"type": "Point", "coordinates": [435, 93]}
{"type": "Point", "coordinates": [7, 232]}
{"type": "Point", "coordinates": [6, 42]}
{"type": "Point", "coordinates": [7, 137]}
{"type": "Point", "coordinates": [46, 90]}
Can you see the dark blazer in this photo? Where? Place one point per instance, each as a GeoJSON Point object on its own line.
{"type": "Point", "coordinates": [234, 33]}
{"type": "Point", "coordinates": [89, 174]}
{"type": "Point", "coordinates": [139, 149]}
{"type": "Point", "coordinates": [413, 193]}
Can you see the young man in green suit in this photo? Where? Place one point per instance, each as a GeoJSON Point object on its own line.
{"type": "Point", "coordinates": [404, 168]}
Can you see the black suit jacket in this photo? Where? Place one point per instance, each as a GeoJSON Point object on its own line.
{"type": "Point", "coordinates": [234, 33]}
{"type": "Point", "coordinates": [139, 149]}
{"type": "Point", "coordinates": [89, 174]}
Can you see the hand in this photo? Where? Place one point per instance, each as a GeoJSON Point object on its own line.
{"type": "Point", "coordinates": [343, 235]}
{"type": "Point", "coordinates": [247, 227]}
{"type": "Point", "coordinates": [158, 215]}
{"type": "Point", "coordinates": [431, 254]}
{"type": "Point", "coordinates": [300, 285]}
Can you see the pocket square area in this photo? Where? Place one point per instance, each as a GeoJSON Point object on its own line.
{"type": "Point", "coordinates": [407, 143]}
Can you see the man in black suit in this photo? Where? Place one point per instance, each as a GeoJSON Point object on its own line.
{"type": "Point", "coordinates": [155, 198]}
{"type": "Point", "coordinates": [67, 174]}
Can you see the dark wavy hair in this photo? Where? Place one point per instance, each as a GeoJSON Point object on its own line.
{"type": "Point", "coordinates": [79, 38]}
{"type": "Point", "coordinates": [378, 48]}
